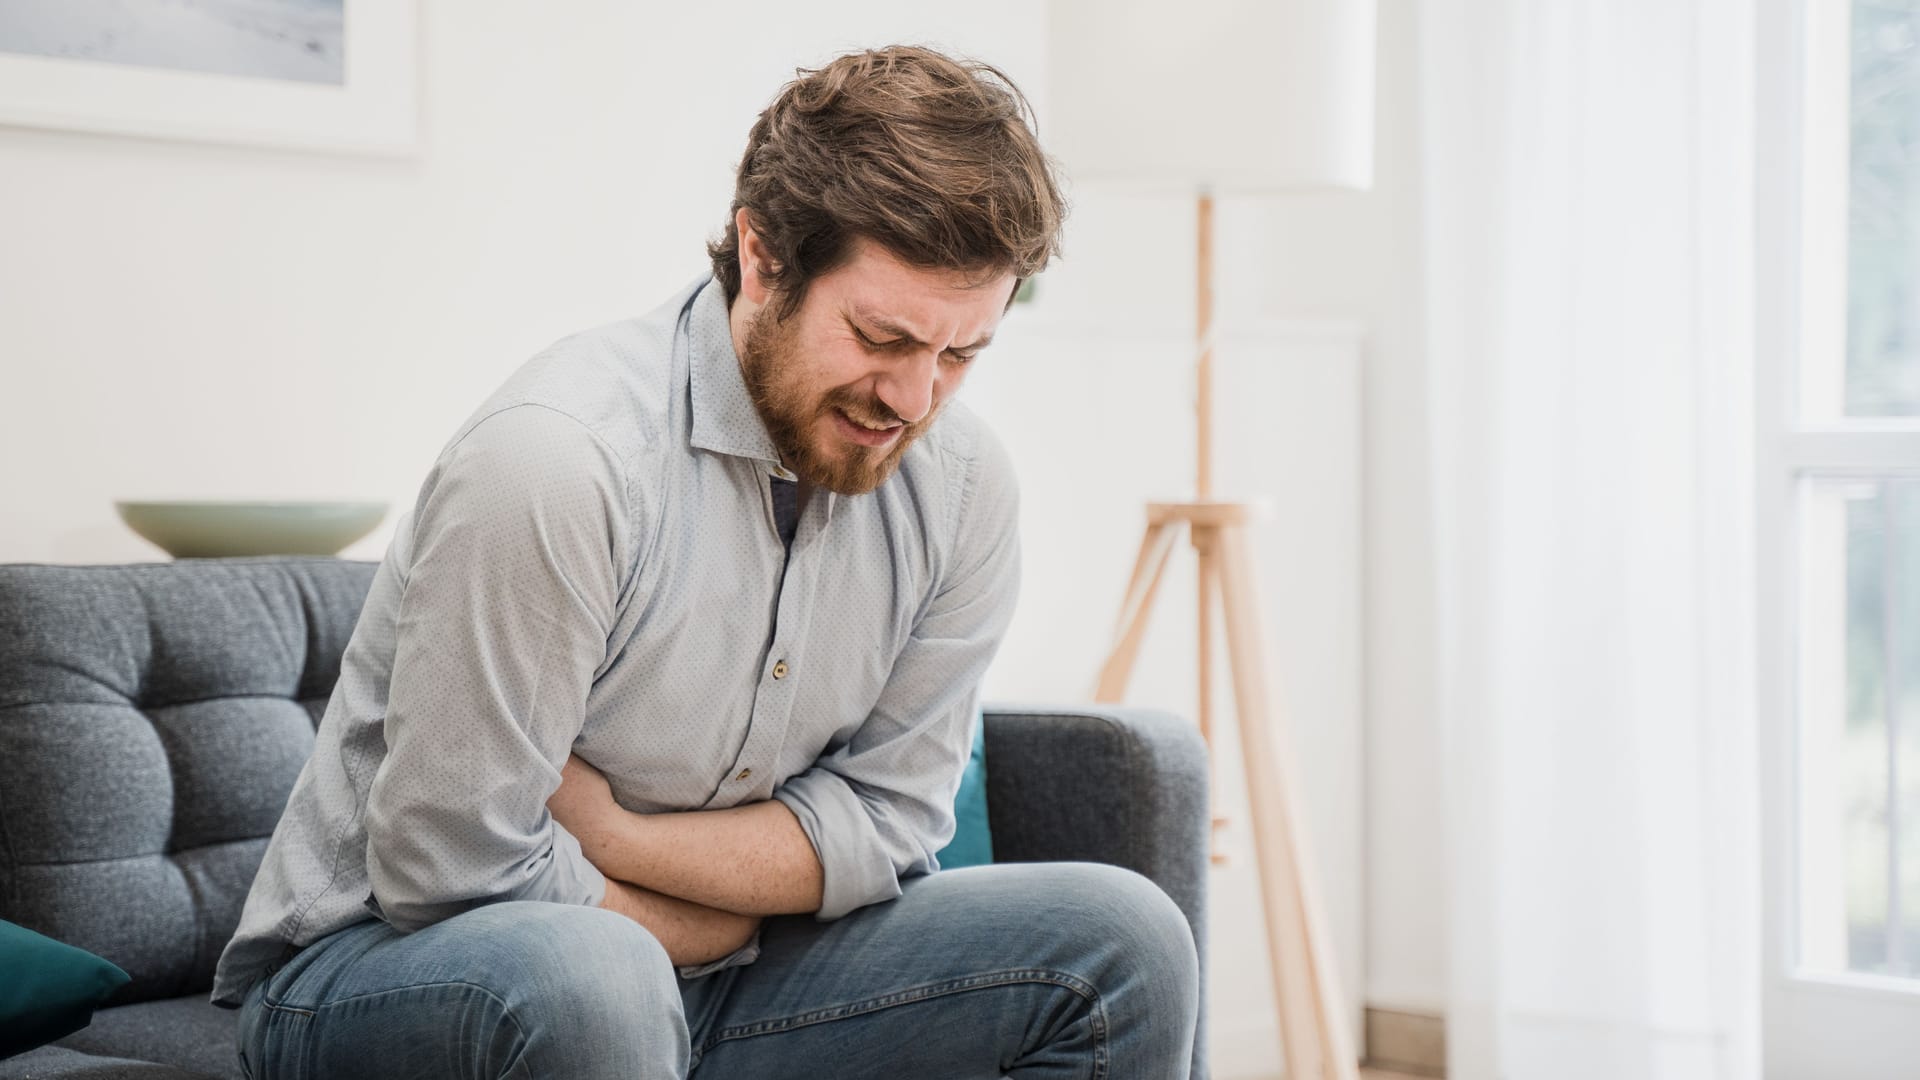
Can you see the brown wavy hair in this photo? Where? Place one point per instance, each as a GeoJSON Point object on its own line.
{"type": "Point", "coordinates": [932, 157]}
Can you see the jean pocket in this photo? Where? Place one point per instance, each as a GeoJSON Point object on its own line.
{"type": "Point", "coordinates": [245, 1020]}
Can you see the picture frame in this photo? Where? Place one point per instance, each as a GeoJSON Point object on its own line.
{"type": "Point", "coordinates": [373, 109]}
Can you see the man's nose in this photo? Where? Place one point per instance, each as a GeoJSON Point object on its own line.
{"type": "Point", "coordinates": [906, 386]}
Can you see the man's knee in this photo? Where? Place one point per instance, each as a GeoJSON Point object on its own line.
{"type": "Point", "coordinates": [1127, 916]}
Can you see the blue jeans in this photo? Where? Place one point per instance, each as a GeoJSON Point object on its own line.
{"type": "Point", "coordinates": [1028, 970]}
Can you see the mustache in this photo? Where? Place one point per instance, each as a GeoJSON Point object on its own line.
{"type": "Point", "coordinates": [867, 410]}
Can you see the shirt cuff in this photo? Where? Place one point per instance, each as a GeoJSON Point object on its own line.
{"type": "Point", "coordinates": [745, 954]}
{"type": "Point", "coordinates": [854, 868]}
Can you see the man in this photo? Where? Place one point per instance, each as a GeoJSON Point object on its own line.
{"type": "Point", "coordinates": [652, 722]}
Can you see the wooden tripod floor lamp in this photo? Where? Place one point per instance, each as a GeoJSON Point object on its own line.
{"type": "Point", "coordinates": [1227, 95]}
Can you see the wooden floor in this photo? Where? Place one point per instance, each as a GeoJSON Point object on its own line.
{"type": "Point", "coordinates": [1381, 1074]}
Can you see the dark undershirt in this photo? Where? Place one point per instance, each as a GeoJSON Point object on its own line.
{"type": "Point", "coordinates": [786, 508]}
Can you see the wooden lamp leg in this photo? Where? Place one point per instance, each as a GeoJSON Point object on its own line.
{"type": "Point", "coordinates": [1155, 547]}
{"type": "Point", "coordinates": [1313, 1024]}
{"type": "Point", "coordinates": [1209, 560]}
{"type": "Point", "coordinates": [1313, 1021]}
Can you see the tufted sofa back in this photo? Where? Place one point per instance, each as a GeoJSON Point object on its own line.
{"type": "Point", "coordinates": [153, 718]}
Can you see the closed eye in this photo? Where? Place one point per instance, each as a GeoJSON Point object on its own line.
{"type": "Point", "coordinates": [876, 346]}
{"type": "Point", "coordinates": [872, 344]}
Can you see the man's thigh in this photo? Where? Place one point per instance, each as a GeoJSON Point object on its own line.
{"type": "Point", "coordinates": [505, 989]}
{"type": "Point", "coordinates": [1040, 969]}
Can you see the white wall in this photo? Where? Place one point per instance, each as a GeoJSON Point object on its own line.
{"type": "Point", "coordinates": [1406, 963]}
{"type": "Point", "coordinates": [1354, 256]}
{"type": "Point", "coordinates": [185, 320]}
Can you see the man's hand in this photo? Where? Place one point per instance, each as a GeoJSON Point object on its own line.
{"type": "Point", "coordinates": [691, 934]}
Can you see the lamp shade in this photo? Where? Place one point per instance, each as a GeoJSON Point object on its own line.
{"type": "Point", "coordinates": [1230, 95]}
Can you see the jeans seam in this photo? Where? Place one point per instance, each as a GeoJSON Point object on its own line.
{"type": "Point", "coordinates": [506, 1010]}
{"type": "Point", "coordinates": [928, 991]}
{"type": "Point", "coordinates": [497, 999]}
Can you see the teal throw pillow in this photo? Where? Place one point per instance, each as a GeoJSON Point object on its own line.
{"type": "Point", "coordinates": [972, 841]}
{"type": "Point", "coordinates": [50, 989]}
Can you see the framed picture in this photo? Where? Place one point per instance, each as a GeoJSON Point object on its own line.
{"type": "Point", "coordinates": [310, 74]}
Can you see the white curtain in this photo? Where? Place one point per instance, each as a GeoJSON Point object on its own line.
{"type": "Point", "coordinates": [1587, 269]}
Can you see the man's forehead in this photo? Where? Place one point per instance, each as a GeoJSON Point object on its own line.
{"type": "Point", "coordinates": [872, 267]}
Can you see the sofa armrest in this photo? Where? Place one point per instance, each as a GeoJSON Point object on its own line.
{"type": "Point", "coordinates": [1100, 783]}
{"type": "Point", "coordinates": [1114, 784]}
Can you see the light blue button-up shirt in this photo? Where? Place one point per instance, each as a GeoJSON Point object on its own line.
{"type": "Point", "coordinates": [593, 566]}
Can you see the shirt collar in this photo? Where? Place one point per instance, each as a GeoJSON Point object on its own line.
{"type": "Point", "coordinates": [724, 418]}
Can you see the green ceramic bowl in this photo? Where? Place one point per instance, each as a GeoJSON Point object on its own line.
{"type": "Point", "coordinates": [224, 529]}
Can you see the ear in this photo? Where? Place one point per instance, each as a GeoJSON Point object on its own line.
{"type": "Point", "coordinates": [754, 260]}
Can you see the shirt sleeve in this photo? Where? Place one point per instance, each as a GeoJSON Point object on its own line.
{"type": "Point", "coordinates": [519, 547]}
{"type": "Point", "coordinates": [879, 807]}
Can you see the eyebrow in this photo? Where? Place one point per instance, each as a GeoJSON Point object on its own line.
{"type": "Point", "coordinates": [887, 326]}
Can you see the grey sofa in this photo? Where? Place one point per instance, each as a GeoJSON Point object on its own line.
{"type": "Point", "coordinates": [153, 717]}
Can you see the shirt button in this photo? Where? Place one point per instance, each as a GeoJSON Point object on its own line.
{"type": "Point", "coordinates": [780, 670]}
{"type": "Point", "coordinates": [744, 773]}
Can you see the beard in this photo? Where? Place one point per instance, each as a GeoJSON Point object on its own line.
{"type": "Point", "coordinates": [795, 415]}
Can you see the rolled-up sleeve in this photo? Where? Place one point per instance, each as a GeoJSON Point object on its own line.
{"type": "Point", "coordinates": [880, 806]}
{"type": "Point", "coordinates": [519, 546]}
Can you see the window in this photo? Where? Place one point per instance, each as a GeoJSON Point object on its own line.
{"type": "Point", "coordinates": [1838, 247]}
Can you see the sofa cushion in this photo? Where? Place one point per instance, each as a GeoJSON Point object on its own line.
{"type": "Point", "coordinates": [60, 1063]}
{"type": "Point", "coordinates": [972, 843]}
{"type": "Point", "coordinates": [153, 718]}
{"type": "Point", "coordinates": [188, 1033]}
{"type": "Point", "coordinates": [50, 989]}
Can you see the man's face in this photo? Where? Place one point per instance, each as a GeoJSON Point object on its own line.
{"type": "Point", "coordinates": [863, 366]}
